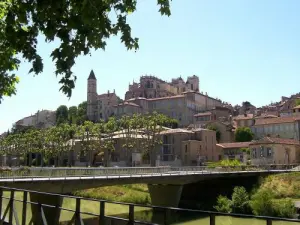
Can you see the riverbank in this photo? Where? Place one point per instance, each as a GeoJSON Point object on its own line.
{"type": "Point", "coordinates": [131, 193]}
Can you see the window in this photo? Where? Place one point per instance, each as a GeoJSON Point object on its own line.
{"type": "Point", "coordinates": [269, 152]}
{"type": "Point", "coordinates": [261, 151]}
{"type": "Point", "coordinates": [185, 148]}
{"type": "Point", "coordinates": [254, 153]}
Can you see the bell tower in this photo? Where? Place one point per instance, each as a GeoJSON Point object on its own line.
{"type": "Point", "coordinates": [92, 97]}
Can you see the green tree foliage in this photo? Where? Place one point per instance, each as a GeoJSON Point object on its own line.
{"type": "Point", "coordinates": [81, 113]}
{"type": "Point", "coordinates": [261, 203]}
{"type": "Point", "coordinates": [72, 114]}
{"type": "Point", "coordinates": [95, 138]}
{"type": "Point", "coordinates": [223, 204]}
{"type": "Point", "coordinates": [62, 114]}
{"type": "Point", "coordinates": [297, 102]}
{"type": "Point", "coordinates": [284, 208]}
{"type": "Point", "coordinates": [227, 162]}
{"type": "Point", "coordinates": [218, 133]}
{"type": "Point", "coordinates": [240, 200]}
{"type": "Point", "coordinates": [243, 134]}
{"type": "Point", "coordinates": [77, 25]}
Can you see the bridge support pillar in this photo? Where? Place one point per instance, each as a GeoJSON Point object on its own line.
{"type": "Point", "coordinates": [165, 195]}
{"type": "Point", "coordinates": [51, 214]}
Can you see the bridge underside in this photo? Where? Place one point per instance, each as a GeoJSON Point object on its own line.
{"type": "Point", "coordinates": [71, 184]}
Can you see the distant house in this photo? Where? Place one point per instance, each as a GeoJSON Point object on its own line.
{"type": "Point", "coordinates": [296, 110]}
{"type": "Point", "coordinates": [226, 130]}
{"type": "Point", "coordinates": [234, 150]}
{"type": "Point", "coordinates": [269, 150]}
{"type": "Point", "coordinates": [245, 120]}
{"type": "Point", "coordinates": [283, 127]}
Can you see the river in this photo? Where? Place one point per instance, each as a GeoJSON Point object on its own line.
{"type": "Point", "coordinates": [182, 218]}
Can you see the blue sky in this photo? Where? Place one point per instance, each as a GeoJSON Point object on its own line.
{"type": "Point", "coordinates": [240, 49]}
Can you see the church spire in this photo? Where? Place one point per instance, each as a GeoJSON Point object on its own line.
{"type": "Point", "coordinates": [92, 76]}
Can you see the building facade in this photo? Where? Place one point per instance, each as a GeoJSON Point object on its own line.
{"type": "Point", "coordinates": [153, 87]}
{"type": "Point", "coordinates": [270, 150]}
{"type": "Point", "coordinates": [180, 107]}
{"type": "Point", "coordinates": [41, 119]}
{"type": "Point", "coordinates": [283, 127]}
{"type": "Point", "coordinates": [188, 147]}
{"type": "Point", "coordinates": [234, 150]}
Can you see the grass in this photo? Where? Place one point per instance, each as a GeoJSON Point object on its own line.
{"type": "Point", "coordinates": [133, 193]}
{"type": "Point", "coordinates": [137, 193]}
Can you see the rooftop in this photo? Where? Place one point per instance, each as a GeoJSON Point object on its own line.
{"type": "Point", "coordinates": [202, 114]}
{"type": "Point", "coordinates": [276, 120]}
{"type": "Point", "coordinates": [297, 107]}
{"type": "Point", "coordinates": [244, 117]}
{"type": "Point", "coordinates": [166, 98]}
{"type": "Point", "coordinates": [177, 130]}
{"type": "Point", "coordinates": [92, 76]}
{"type": "Point", "coordinates": [234, 145]}
{"type": "Point", "coordinates": [271, 140]}
{"type": "Point", "coordinates": [128, 103]}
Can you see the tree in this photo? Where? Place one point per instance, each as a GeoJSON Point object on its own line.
{"type": "Point", "coordinates": [218, 132]}
{"type": "Point", "coordinates": [261, 203]}
{"type": "Point", "coordinates": [153, 126]}
{"type": "Point", "coordinates": [72, 114]}
{"type": "Point", "coordinates": [61, 115]}
{"type": "Point", "coordinates": [240, 200]}
{"type": "Point", "coordinates": [243, 134]}
{"type": "Point", "coordinates": [81, 113]}
{"type": "Point", "coordinates": [297, 102]}
{"type": "Point", "coordinates": [78, 26]}
{"type": "Point", "coordinates": [223, 204]}
{"type": "Point", "coordinates": [108, 142]}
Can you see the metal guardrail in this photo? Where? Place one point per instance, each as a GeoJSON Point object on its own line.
{"type": "Point", "coordinates": [52, 172]}
{"type": "Point", "coordinates": [10, 214]}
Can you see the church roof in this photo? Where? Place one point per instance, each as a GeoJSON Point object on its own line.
{"type": "Point", "coordinates": [92, 76]}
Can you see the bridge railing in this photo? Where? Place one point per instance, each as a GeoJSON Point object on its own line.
{"type": "Point", "coordinates": [36, 172]}
{"type": "Point", "coordinates": [10, 214]}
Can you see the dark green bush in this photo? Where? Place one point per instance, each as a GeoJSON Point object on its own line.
{"type": "Point", "coordinates": [261, 204]}
{"type": "Point", "coordinates": [240, 200]}
{"type": "Point", "coordinates": [223, 204]}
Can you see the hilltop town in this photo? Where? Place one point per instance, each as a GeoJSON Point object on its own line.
{"type": "Point", "coordinates": [207, 127]}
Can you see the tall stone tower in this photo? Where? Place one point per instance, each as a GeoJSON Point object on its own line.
{"type": "Point", "coordinates": [193, 83]}
{"type": "Point", "coordinates": [92, 97]}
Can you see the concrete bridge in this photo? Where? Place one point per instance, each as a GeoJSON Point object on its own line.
{"type": "Point", "coordinates": [165, 184]}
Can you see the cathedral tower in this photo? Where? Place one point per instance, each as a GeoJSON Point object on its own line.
{"type": "Point", "coordinates": [92, 97]}
{"type": "Point", "coordinates": [193, 83]}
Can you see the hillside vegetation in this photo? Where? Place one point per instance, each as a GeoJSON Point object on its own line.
{"type": "Point", "coordinates": [286, 185]}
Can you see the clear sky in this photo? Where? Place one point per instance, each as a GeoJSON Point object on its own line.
{"type": "Point", "coordinates": [241, 50]}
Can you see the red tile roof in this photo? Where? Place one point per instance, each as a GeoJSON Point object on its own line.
{"type": "Point", "coordinates": [234, 145]}
{"type": "Point", "coordinates": [128, 103]}
{"type": "Point", "coordinates": [297, 107]}
{"type": "Point", "coordinates": [177, 130]}
{"type": "Point", "coordinates": [271, 140]}
{"type": "Point", "coordinates": [166, 98]}
{"type": "Point", "coordinates": [243, 117]}
{"type": "Point", "coordinates": [276, 120]}
{"type": "Point", "coordinates": [265, 116]}
{"type": "Point", "coordinates": [203, 114]}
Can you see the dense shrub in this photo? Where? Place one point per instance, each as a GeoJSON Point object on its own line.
{"type": "Point", "coordinates": [223, 204]}
{"type": "Point", "coordinates": [261, 203]}
{"type": "Point", "coordinates": [227, 162]}
{"type": "Point", "coordinates": [284, 208]}
{"type": "Point", "coordinates": [240, 200]}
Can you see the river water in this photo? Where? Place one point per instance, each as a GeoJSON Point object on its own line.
{"type": "Point", "coordinates": [182, 219]}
